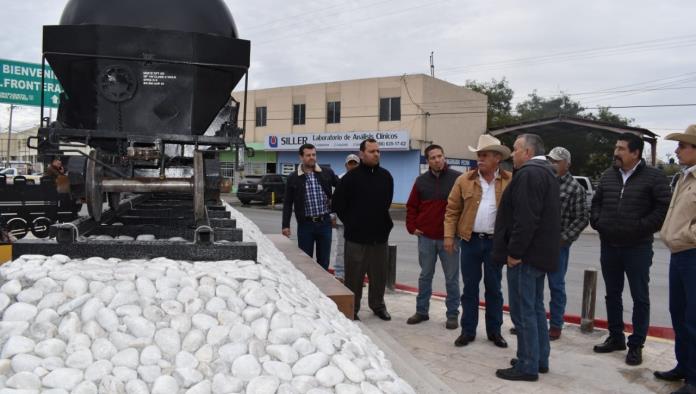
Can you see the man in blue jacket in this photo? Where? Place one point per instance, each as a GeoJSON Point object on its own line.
{"type": "Point", "coordinates": [526, 238]}
{"type": "Point", "coordinates": [308, 191]}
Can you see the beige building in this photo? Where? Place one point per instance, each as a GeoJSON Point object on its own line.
{"type": "Point", "coordinates": [404, 113]}
{"type": "Point", "coordinates": [429, 109]}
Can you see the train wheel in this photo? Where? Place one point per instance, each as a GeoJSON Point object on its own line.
{"type": "Point", "coordinates": [17, 227]}
{"type": "Point", "coordinates": [40, 227]}
{"type": "Point", "coordinates": [93, 190]}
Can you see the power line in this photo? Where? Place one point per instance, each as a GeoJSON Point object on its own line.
{"type": "Point", "coordinates": [642, 106]}
{"type": "Point", "coordinates": [664, 43]}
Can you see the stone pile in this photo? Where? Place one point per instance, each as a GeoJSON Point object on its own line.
{"type": "Point", "coordinates": [164, 326]}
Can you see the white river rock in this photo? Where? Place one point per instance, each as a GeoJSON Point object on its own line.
{"type": "Point", "coordinates": [246, 367]}
{"type": "Point", "coordinates": [19, 311]}
{"type": "Point", "coordinates": [310, 364]}
{"type": "Point", "coordinates": [17, 345]}
{"type": "Point", "coordinates": [63, 378]}
{"type": "Point", "coordinates": [163, 326]}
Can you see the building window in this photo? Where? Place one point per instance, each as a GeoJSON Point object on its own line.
{"type": "Point", "coordinates": [298, 114]}
{"type": "Point", "coordinates": [333, 112]}
{"type": "Point", "coordinates": [389, 109]}
{"type": "Point", "coordinates": [261, 116]}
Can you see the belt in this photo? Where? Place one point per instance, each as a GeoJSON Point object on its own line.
{"type": "Point", "coordinates": [316, 219]}
{"type": "Point", "coordinates": [482, 235]}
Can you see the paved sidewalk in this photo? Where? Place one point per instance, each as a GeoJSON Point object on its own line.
{"type": "Point", "coordinates": [574, 367]}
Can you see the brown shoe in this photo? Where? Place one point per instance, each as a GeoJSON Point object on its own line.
{"type": "Point", "coordinates": [417, 318]}
{"type": "Point", "coordinates": [554, 333]}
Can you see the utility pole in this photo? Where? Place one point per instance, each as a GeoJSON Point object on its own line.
{"type": "Point", "coordinates": [9, 134]}
{"type": "Point", "coordinates": [432, 64]}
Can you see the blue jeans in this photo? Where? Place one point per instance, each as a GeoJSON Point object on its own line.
{"type": "Point", "coordinates": [556, 279]}
{"type": "Point", "coordinates": [428, 251]}
{"type": "Point", "coordinates": [634, 262]}
{"type": "Point", "coordinates": [526, 295]}
{"type": "Point", "coordinates": [682, 307]}
{"type": "Point", "coordinates": [476, 253]}
{"type": "Point", "coordinates": [310, 233]}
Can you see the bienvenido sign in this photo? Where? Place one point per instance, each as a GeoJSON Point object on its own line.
{"type": "Point", "coordinates": [20, 84]}
{"type": "Point", "coordinates": [348, 141]}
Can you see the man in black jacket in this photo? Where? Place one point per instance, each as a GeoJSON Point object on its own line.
{"type": "Point", "coordinates": [362, 202]}
{"type": "Point", "coordinates": [527, 238]}
{"type": "Point", "coordinates": [629, 205]}
{"type": "Point", "coordinates": [308, 190]}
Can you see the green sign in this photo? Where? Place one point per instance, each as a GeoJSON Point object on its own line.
{"type": "Point", "coordinates": [20, 84]}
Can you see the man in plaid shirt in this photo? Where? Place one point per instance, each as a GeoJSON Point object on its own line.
{"type": "Point", "coordinates": [574, 218]}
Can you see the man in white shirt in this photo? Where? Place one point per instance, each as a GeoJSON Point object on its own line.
{"type": "Point", "coordinates": [470, 217]}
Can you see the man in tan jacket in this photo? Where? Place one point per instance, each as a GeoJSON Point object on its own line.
{"type": "Point", "coordinates": [470, 216]}
{"type": "Point", "coordinates": [679, 234]}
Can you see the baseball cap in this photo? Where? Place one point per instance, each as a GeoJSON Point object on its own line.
{"type": "Point", "coordinates": [559, 153]}
{"type": "Point", "coordinates": [352, 157]}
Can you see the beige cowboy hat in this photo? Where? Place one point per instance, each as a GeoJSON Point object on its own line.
{"type": "Point", "coordinates": [487, 142]}
{"type": "Point", "coordinates": [688, 136]}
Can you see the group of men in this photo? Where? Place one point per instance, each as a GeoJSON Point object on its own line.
{"type": "Point", "coordinates": [361, 199]}
{"type": "Point", "coordinates": [485, 219]}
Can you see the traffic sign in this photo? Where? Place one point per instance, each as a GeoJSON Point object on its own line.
{"type": "Point", "coordinates": [20, 84]}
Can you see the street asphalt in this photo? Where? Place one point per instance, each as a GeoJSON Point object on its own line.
{"type": "Point", "coordinates": [584, 255]}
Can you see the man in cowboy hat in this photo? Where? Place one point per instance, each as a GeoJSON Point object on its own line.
{"type": "Point", "coordinates": [470, 216]}
{"type": "Point", "coordinates": [679, 234]}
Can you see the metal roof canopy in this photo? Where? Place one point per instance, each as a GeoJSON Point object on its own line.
{"type": "Point", "coordinates": [571, 124]}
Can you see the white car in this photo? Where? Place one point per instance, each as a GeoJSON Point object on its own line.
{"type": "Point", "coordinates": [11, 173]}
{"type": "Point", "coordinates": [586, 183]}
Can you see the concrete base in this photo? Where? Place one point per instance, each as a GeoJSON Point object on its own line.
{"type": "Point", "coordinates": [326, 282]}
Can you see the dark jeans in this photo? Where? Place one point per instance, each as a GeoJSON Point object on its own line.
{"type": "Point", "coordinates": [310, 233]}
{"type": "Point", "coordinates": [476, 261]}
{"type": "Point", "coordinates": [556, 279]}
{"type": "Point", "coordinates": [634, 262]}
{"type": "Point", "coordinates": [682, 307]}
{"type": "Point", "coordinates": [526, 295]}
{"type": "Point", "coordinates": [370, 259]}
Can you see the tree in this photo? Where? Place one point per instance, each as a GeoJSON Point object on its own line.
{"type": "Point", "coordinates": [592, 150]}
{"type": "Point", "coordinates": [537, 107]}
{"type": "Point", "coordinates": [605, 115]}
{"type": "Point", "coordinates": [499, 100]}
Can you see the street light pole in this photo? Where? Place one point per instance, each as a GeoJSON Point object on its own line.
{"type": "Point", "coordinates": [9, 134]}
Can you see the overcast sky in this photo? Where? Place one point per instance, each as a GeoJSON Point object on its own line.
{"type": "Point", "coordinates": [611, 53]}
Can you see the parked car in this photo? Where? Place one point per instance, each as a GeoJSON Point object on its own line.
{"type": "Point", "coordinates": [11, 173]}
{"type": "Point", "coordinates": [589, 187]}
{"type": "Point", "coordinates": [260, 188]}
